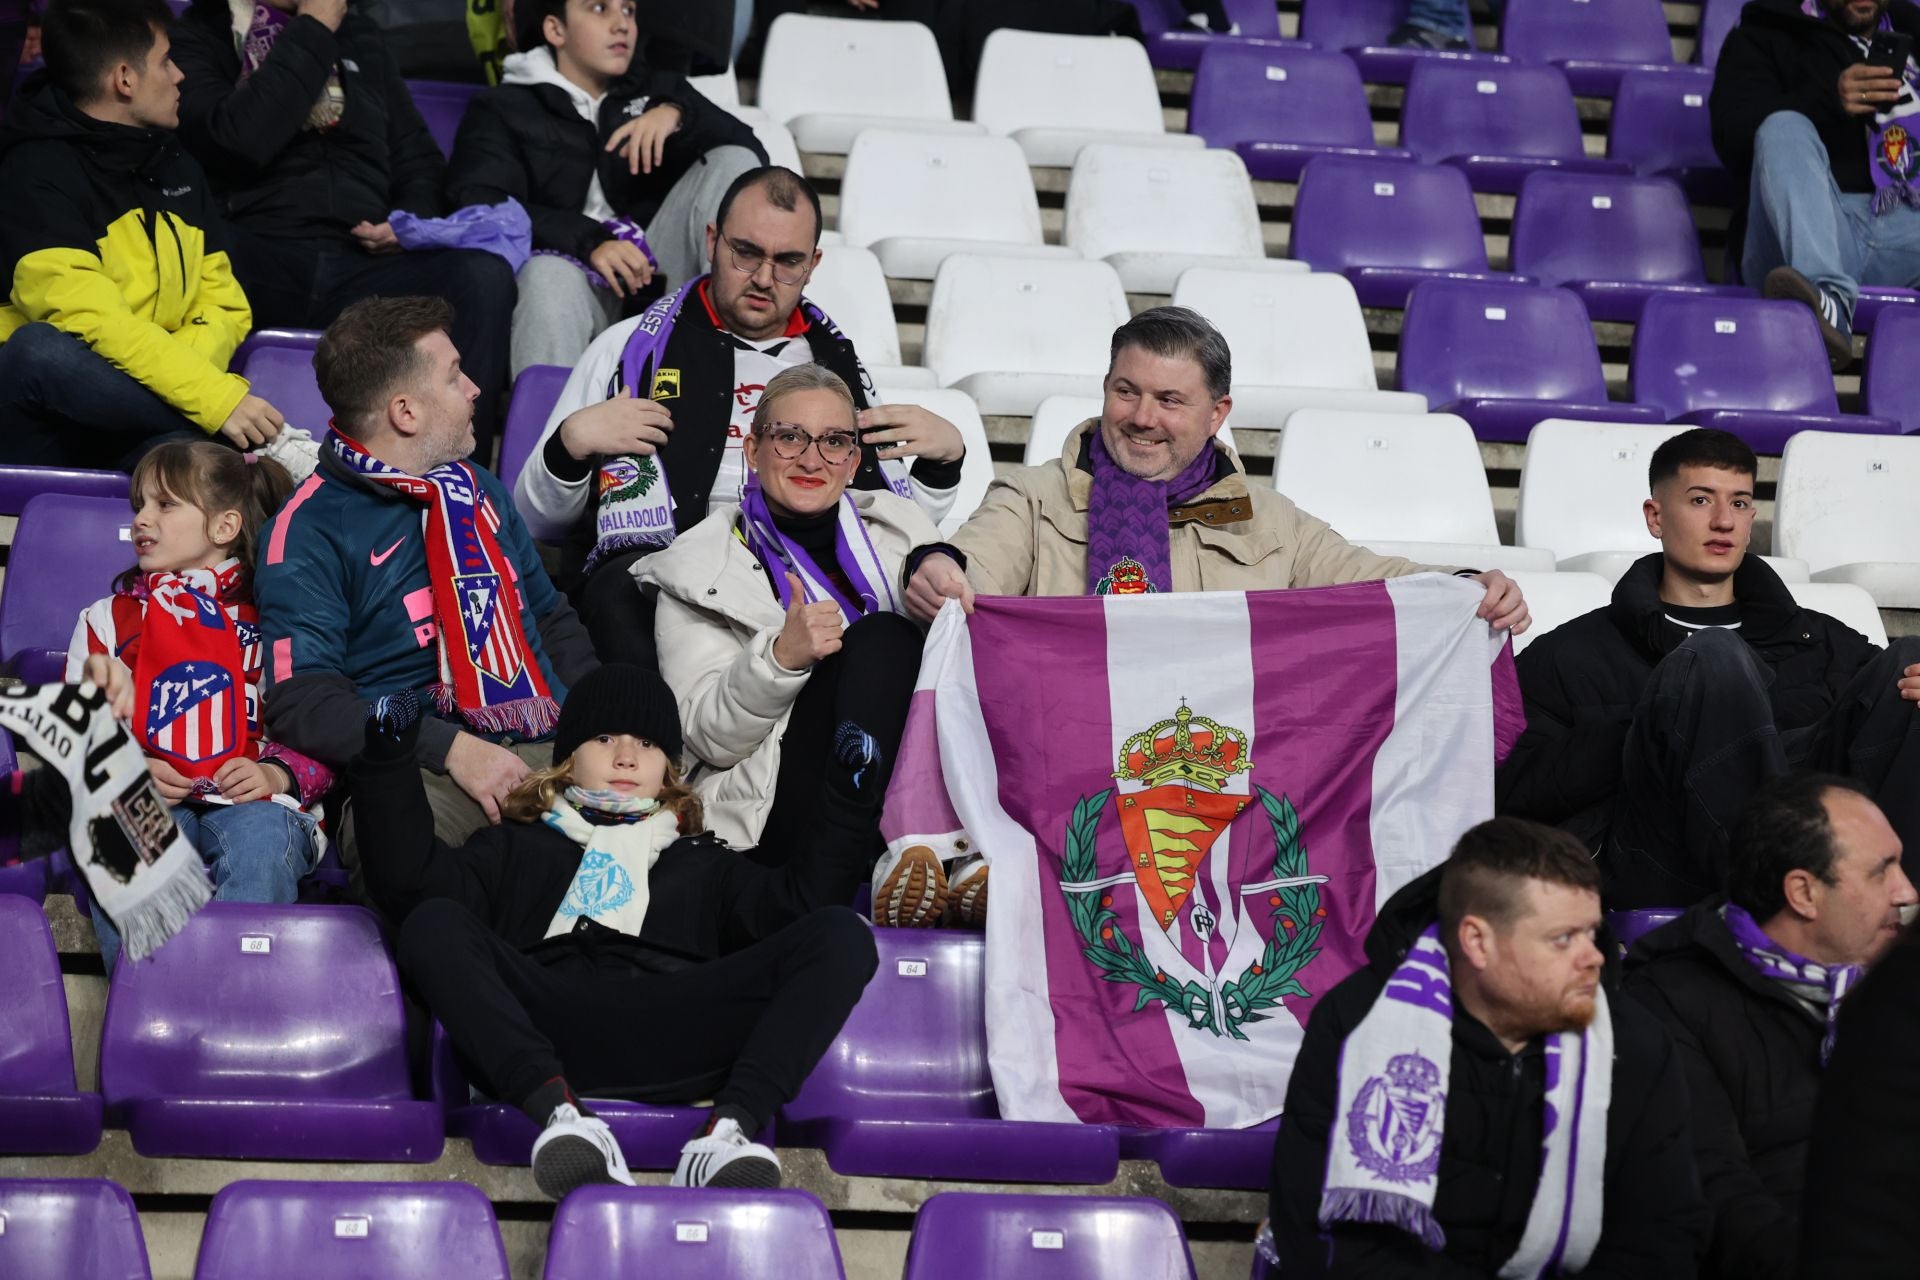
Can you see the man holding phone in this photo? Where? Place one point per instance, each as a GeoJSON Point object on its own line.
{"type": "Point", "coordinates": [1814, 106]}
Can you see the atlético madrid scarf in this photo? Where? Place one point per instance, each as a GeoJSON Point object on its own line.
{"type": "Point", "coordinates": [189, 680]}
{"type": "Point", "coordinates": [491, 678]}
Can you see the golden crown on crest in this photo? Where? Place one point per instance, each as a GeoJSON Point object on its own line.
{"type": "Point", "coordinates": [1186, 748]}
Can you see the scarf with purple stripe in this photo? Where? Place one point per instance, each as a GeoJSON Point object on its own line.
{"type": "Point", "coordinates": [1820, 984]}
{"type": "Point", "coordinates": [854, 554]}
{"type": "Point", "coordinates": [1383, 1156]}
{"type": "Point", "coordinates": [1891, 144]}
{"type": "Point", "coordinates": [1129, 544]}
{"type": "Point", "coordinates": [255, 29]}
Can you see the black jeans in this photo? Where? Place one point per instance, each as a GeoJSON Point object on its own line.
{"type": "Point", "coordinates": [1703, 741]}
{"type": "Point", "coordinates": [744, 1030]}
{"type": "Point", "coordinates": [63, 406]}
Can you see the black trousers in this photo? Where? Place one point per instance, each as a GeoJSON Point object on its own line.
{"type": "Point", "coordinates": [744, 1029]}
{"type": "Point", "coordinates": [1703, 741]}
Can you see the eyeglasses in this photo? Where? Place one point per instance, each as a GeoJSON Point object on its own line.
{"type": "Point", "coordinates": [791, 443]}
{"type": "Point", "coordinates": [788, 268]}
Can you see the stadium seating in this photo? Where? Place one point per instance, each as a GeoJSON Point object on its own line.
{"type": "Point", "coordinates": [1614, 240]}
{"type": "Point", "coordinates": [1010, 331]}
{"type": "Point", "coordinates": [1594, 41]}
{"type": "Point", "coordinates": [1581, 489]}
{"type": "Point", "coordinates": [851, 287]}
{"type": "Point", "coordinates": [976, 469]}
{"type": "Point", "coordinates": [306, 339]}
{"type": "Point", "coordinates": [1752, 367]}
{"type": "Point", "coordinates": [1150, 214]}
{"type": "Point", "coordinates": [1890, 385]}
{"type": "Point", "coordinates": [1717, 17]}
{"type": "Point", "coordinates": [1846, 506]}
{"type": "Point", "coordinates": [1844, 602]}
{"type": "Point", "coordinates": [41, 1110]}
{"type": "Point", "coordinates": [284, 378]}
{"type": "Point", "coordinates": [1875, 300]}
{"type": "Point", "coordinates": [31, 879]}
{"type": "Point", "coordinates": [535, 392]}
{"type": "Point", "coordinates": [1054, 94]}
{"type": "Point", "coordinates": [20, 484]}
{"type": "Point", "coordinates": [778, 141]}
{"type": "Point", "coordinates": [1361, 27]}
{"type": "Point", "coordinates": [1504, 357]}
{"type": "Point", "coordinates": [65, 554]}
{"type": "Point", "coordinates": [1177, 46]}
{"type": "Point", "coordinates": [962, 1236]}
{"type": "Point", "coordinates": [1660, 127]}
{"type": "Point", "coordinates": [1387, 226]}
{"type": "Point", "coordinates": [674, 1233]}
{"type": "Point", "coordinates": [351, 1231]}
{"type": "Point", "coordinates": [904, 1092]}
{"type": "Point", "coordinates": [1628, 927]}
{"type": "Point", "coordinates": [1555, 598]}
{"type": "Point", "coordinates": [914, 198]}
{"type": "Point", "coordinates": [441, 105]}
{"type": "Point", "coordinates": [1400, 484]}
{"type": "Point", "coordinates": [827, 79]}
{"type": "Point", "coordinates": [1495, 123]}
{"type": "Point", "coordinates": [69, 1229]}
{"type": "Point", "coordinates": [722, 89]}
{"type": "Point", "coordinates": [263, 1032]}
{"type": "Point", "coordinates": [1278, 106]}
{"type": "Point", "coordinates": [1298, 342]}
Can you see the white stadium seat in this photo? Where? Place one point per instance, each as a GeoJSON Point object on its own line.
{"type": "Point", "coordinates": [781, 149]}
{"type": "Point", "coordinates": [914, 198]}
{"type": "Point", "coordinates": [721, 90]}
{"type": "Point", "coordinates": [1298, 342]}
{"type": "Point", "coordinates": [1012, 331]}
{"type": "Point", "coordinates": [1054, 94]}
{"type": "Point", "coordinates": [976, 469]}
{"type": "Point", "coordinates": [1848, 506]}
{"type": "Point", "coordinates": [1400, 484]}
{"type": "Point", "coordinates": [1554, 598]}
{"type": "Point", "coordinates": [1055, 418]}
{"type": "Point", "coordinates": [1845, 602]}
{"type": "Point", "coordinates": [852, 289]}
{"type": "Point", "coordinates": [1152, 213]}
{"type": "Point", "coordinates": [827, 79]}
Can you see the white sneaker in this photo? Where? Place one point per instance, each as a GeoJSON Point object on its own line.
{"type": "Point", "coordinates": [909, 888]}
{"type": "Point", "coordinates": [967, 892]}
{"type": "Point", "coordinates": [576, 1151]}
{"type": "Point", "coordinates": [726, 1158]}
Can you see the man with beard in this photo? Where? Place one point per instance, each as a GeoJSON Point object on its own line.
{"type": "Point", "coordinates": [1814, 113]}
{"type": "Point", "coordinates": [1472, 1103]}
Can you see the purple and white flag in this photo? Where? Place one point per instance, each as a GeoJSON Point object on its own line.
{"type": "Point", "coordinates": [1193, 805]}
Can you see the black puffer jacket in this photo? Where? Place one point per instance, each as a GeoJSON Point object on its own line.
{"type": "Point", "coordinates": [1655, 1223]}
{"type": "Point", "coordinates": [1751, 1053]}
{"type": "Point", "coordinates": [1582, 680]}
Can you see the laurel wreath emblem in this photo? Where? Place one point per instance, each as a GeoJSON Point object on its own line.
{"type": "Point", "coordinates": [1262, 985]}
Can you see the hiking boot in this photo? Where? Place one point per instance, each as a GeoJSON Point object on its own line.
{"type": "Point", "coordinates": [726, 1157]}
{"type": "Point", "coordinates": [1836, 330]}
{"type": "Point", "coordinates": [967, 893]}
{"type": "Point", "coordinates": [576, 1151]}
{"type": "Point", "coordinates": [909, 888]}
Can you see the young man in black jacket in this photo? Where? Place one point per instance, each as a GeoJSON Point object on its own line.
{"type": "Point", "coordinates": [1651, 722]}
{"type": "Point", "coordinates": [1473, 1103]}
{"type": "Point", "coordinates": [299, 114]}
{"type": "Point", "coordinates": [1749, 987]}
{"type": "Point", "coordinates": [621, 169]}
{"type": "Point", "coordinates": [1822, 137]}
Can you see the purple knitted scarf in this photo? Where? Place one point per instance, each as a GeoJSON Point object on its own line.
{"type": "Point", "coordinates": [1893, 146]}
{"type": "Point", "coordinates": [1808, 979]}
{"type": "Point", "coordinates": [1129, 548]}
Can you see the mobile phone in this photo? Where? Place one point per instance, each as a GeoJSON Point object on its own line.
{"type": "Point", "coordinates": [1890, 49]}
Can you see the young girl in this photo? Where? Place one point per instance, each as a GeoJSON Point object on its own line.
{"type": "Point", "coordinates": [599, 941]}
{"type": "Point", "coordinates": [182, 631]}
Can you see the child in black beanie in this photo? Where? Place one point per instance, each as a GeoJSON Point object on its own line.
{"type": "Point", "coordinates": [599, 940]}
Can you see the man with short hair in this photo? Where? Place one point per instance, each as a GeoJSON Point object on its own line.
{"type": "Point", "coordinates": [671, 393]}
{"type": "Point", "coordinates": [1652, 722]}
{"type": "Point", "coordinates": [124, 310]}
{"type": "Point", "coordinates": [399, 566]}
{"type": "Point", "coordinates": [1474, 1103]}
{"type": "Point", "coordinates": [1750, 987]}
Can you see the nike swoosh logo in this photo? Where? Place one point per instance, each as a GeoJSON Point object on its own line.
{"type": "Point", "coordinates": [381, 558]}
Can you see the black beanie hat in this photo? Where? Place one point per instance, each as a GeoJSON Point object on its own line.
{"type": "Point", "coordinates": [618, 698]}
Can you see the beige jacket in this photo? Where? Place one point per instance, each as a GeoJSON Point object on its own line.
{"type": "Point", "coordinates": [1029, 537]}
{"type": "Point", "coordinates": [715, 626]}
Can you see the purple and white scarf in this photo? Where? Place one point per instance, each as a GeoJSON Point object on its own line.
{"type": "Point", "coordinates": [256, 26]}
{"type": "Point", "coordinates": [1821, 984]}
{"type": "Point", "coordinates": [854, 553]}
{"type": "Point", "coordinates": [1129, 545]}
{"type": "Point", "coordinates": [1892, 146]}
{"type": "Point", "coordinates": [1383, 1158]}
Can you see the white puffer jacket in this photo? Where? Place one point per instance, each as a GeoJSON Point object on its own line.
{"type": "Point", "coordinates": [715, 627]}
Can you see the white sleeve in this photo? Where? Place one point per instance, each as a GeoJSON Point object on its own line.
{"type": "Point", "coordinates": [552, 506]}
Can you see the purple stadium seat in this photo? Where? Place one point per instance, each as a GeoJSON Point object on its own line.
{"type": "Point", "coordinates": [41, 1112]}
{"type": "Point", "coordinates": [65, 554]}
{"type": "Point", "coordinates": [265, 1032]}
{"type": "Point", "coordinates": [283, 377]}
{"type": "Point", "coordinates": [69, 1228]}
{"type": "Point", "coordinates": [904, 1091]}
{"type": "Point", "coordinates": [1628, 927]}
{"type": "Point", "coordinates": [961, 1236]}
{"type": "Point", "coordinates": [1361, 27]}
{"type": "Point", "coordinates": [1499, 123]}
{"type": "Point", "coordinates": [441, 105]}
{"type": "Point", "coordinates": [1594, 41]}
{"type": "Point", "coordinates": [1280, 107]}
{"type": "Point", "coordinates": [535, 392]}
{"type": "Point", "coordinates": [1615, 241]}
{"type": "Point", "coordinates": [1745, 365]}
{"type": "Point", "coordinates": [1236, 1158]}
{"type": "Point", "coordinates": [1176, 46]}
{"type": "Point", "coordinates": [351, 1231]}
{"type": "Point", "coordinates": [21, 484]}
{"type": "Point", "coordinates": [1660, 127]}
{"type": "Point", "coordinates": [1506, 356]}
{"type": "Point", "coordinates": [1890, 387]}
{"type": "Point", "coordinates": [1875, 299]}
{"type": "Point", "coordinates": [305, 339]}
{"type": "Point", "coordinates": [673, 1233]}
{"type": "Point", "coordinates": [1717, 18]}
{"type": "Point", "coordinates": [1386, 226]}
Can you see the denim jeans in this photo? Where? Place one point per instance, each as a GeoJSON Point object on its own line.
{"type": "Point", "coordinates": [1799, 217]}
{"type": "Point", "coordinates": [1448, 17]}
{"type": "Point", "coordinates": [63, 406]}
{"type": "Point", "coordinates": [255, 852]}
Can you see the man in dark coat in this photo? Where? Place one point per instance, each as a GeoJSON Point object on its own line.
{"type": "Point", "coordinates": [1749, 987]}
{"type": "Point", "coordinates": [1502, 942]}
{"type": "Point", "coordinates": [1822, 138]}
{"type": "Point", "coordinates": [1651, 722]}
